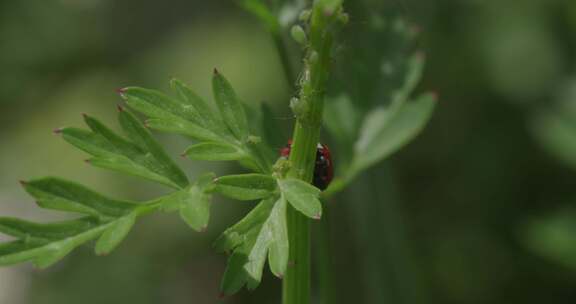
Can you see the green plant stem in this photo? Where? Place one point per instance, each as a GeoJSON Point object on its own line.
{"type": "Point", "coordinates": [308, 110]}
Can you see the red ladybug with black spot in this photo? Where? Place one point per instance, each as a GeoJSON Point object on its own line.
{"type": "Point", "coordinates": [323, 169]}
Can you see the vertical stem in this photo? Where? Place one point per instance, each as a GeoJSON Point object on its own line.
{"type": "Point", "coordinates": [296, 283]}
{"type": "Point", "coordinates": [308, 111]}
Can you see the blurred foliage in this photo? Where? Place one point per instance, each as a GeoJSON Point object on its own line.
{"type": "Point", "coordinates": [476, 210]}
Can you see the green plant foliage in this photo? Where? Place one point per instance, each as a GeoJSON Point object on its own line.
{"type": "Point", "coordinates": [222, 135]}
{"type": "Point", "coordinates": [259, 9]}
{"type": "Point", "coordinates": [383, 133]}
{"type": "Point", "coordinates": [225, 131]}
{"type": "Point", "coordinates": [372, 131]}
{"type": "Point", "coordinates": [107, 220]}
{"type": "Point", "coordinates": [246, 187]}
{"type": "Point", "coordinates": [553, 237]}
{"type": "Point", "coordinates": [262, 233]}
{"type": "Point", "coordinates": [230, 107]}
{"type": "Point", "coordinates": [115, 234]}
{"type": "Point", "coordinates": [214, 151]}
{"type": "Point", "coordinates": [140, 156]}
{"type": "Point", "coordinates": [302, 196]}
{"type": "Point", "coordinates": [59, 194]}
{"type": "Point", "coordinates": [557, 133]}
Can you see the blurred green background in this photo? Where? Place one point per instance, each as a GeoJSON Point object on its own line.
{"type": "Point", "coordinates": [480, 208]}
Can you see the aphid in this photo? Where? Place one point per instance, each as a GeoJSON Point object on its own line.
{"type": "Point", "coordinates": [323, 169]}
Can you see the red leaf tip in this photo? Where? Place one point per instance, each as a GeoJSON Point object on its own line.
{"type": "Point", "coordinates": [120, 108]}
{"type": "Point", "coordinates": [57, 131]}
{"type": "Point", "coordinates": [121, 91]}
{"type": "Point", "coordinates": [23, 183]}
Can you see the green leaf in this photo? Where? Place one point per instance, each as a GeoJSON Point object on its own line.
{"type": "Point", "coordinates": [169, 115]}
{"type": "Point", "coordinates": [246, 186]}
{"type": "Point", "coordinates": [45, 253]}
{"type": "Point", "coordinates": [236, 235]}
{"type": "Point", "coordinates": [262, 233]}
{"type": "Point", "coordinates": [278, 248]}
{"type": "Point", "coordinates": [59, 194]}
{"type": "Point", "coordinates": [195, 209]}
{"type": "Point", "coordinates": [262, 12]}
{"type": "Point", "coordinates": [115, 144]}
{"type": "Point", "coordinates": [415, 67]}
{"type": "Point", "coordinates": [156, 104]}
{"type": "Point", "coordinates": [189, 98]}
{"type": "Point", "coordinates": [302, 196]}
{"type": "Point", "coordinates": [341, 118]}
{"type": "Point", "coordinates": [11, 247]}
{"type": "Point", "coordinates": [209, 120]}
{"type": "Point", "coordinates": [235, 275]}
{"type": "Point", "coordinates": [23, 229]}
{"type": "Point", "coordinates": [382, 135]}
{"type": "Point", "coordinates": [53, 255]}
{"type": "Point", "coordinates": [257, 257]}
{"type": "Point", "coordinates": [213, 151]}
{"type": "Point", "coordinates": [162, 164]}
{"type": "Point", "coordinates": [181, 127]}
{"type": "Point", "coordinates": [89, 142]}
{"type": "Point", "coordinates": [230, 107]}
{"type": "Point", "coordinates": [556, 132]}
{"type": "Point", "coordinates": [53, 252]}
{"type": "Point", "coordinates": [553, 237]}
{"type": "Point", "coordinates": [143, 157]}
{"type": "Point", "coordinates": [115, 234]}
{"type": "Point", "coordinates": [126, 165]}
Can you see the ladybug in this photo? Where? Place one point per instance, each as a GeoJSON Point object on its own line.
{"type": "Point", "coordinates": [323, 169]}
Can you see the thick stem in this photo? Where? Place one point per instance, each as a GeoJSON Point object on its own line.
{"type": "Point", "coordinates": [296, 283]}
{"type": "Point", "coordinates": [308, 111]}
